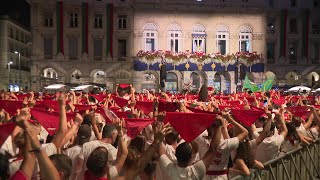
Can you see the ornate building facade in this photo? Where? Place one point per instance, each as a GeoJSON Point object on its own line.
{"type": "Point", "coordinates": [97, 41]}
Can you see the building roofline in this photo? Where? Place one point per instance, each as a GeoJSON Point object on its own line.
{"type": "Point", "coordinates": [7, 17]}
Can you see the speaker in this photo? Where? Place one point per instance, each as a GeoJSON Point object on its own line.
{"type": "Point", "coordinates": [163, 71]}
{"type": "Point", "coordinates": [243, 72]}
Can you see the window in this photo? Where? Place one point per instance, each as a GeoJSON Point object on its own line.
{"type": "Point", "coordinates": [270, 52]}
{"type": "Point", "coordinates": [98, 21]}
{"type": "Point", "coordinates": [245, 39]}
{"type": "Point", "coordinates": [17, 36]}
{"type": "Point", "coordinates": [292, 53]}
{"type": "Point", "coordinates": [195, 80]}
{"type": "Point", "coordinates": [73, 48]}
{"type": "Point", "coordinates": [48, 21]}
{"type": "Point", "coordinates": [198, 38]}
{"type": "Point", "coordinates": [47, 48]}
{"type": "Point", "coordinates": [97, 53]}
{"type": "Point", "coordinates": [11, 46]}
{"type": "Point", "coordinates": [122, 48]}
{"type": "Point", "coordinates": [315, 52]}
{"type": "Point", "coordinates": [293, 3]}
{"type": "Point", "coordinates": [293, 25]}
{"type": "Point", "coordinates": [270, 25]}
{"type": "Point", "coordinates": [175, 41]}
{"type": "Point", "coordinates": [222, 40]}
{"type": "Point", "coordinates": [73, 20]}
{"type": "Point", "coordinates": [11, 33]}
{"type": "Point", "coordinates": [150, 37]}
{"type": "Point", "coordinates": [122, 21]}
{"type": "Point", "coordinates": [315, 3]}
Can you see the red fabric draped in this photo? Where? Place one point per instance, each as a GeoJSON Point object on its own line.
{"type": "Point", "coordinates": [123, 86]}
{"type": "Point", "coordinates": [135, 126]}
{"type": "Point", "coordinates": [247, 117]}
{"type": "Point", "coordinates": [6, 130]}
{"type": "Point", "coordinates": [11, 106]}
{"type": "Point", "coordinates": [52, 104]}
{"type": "Point", "coordinates": [120, 101]}
{"type": "Point", "coordinates": [99, 97]}
{"type": "Point", "coordinates": [49, 120]}
{"type": "Point", "coordinates": [299, 111]}
{"type": "Point", "coordinates": [279, 101]}
{"type": "Point", "coordinates": [167, 106]}
{"type": "Point", "coordinates": [82, 108]}
{"type": "Point", "coordinates": [190, 125]}
{"type": "Point", "coordinates": [145, 106]}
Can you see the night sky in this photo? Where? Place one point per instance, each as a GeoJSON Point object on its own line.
{"type": "Point", "coordinates": [18, 10]}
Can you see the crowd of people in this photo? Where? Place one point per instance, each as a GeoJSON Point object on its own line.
{"type": "Point", "coordinates": [147, 136]}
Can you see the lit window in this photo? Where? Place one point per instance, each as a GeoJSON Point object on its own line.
{"type": "Point", "coordinates": [245, 39]}
{"type": "Point", "coordinates": [150, 37]}
{"type": "Point", "coordinates": [198, 38]}
{"type": "Point", "coordinates": [175, 41]}
{"type": "Point", "coordinates": [222, 40]}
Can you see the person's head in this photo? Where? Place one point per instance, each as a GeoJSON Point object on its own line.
{"type": "Point", "coordinates": [84, 134]}
{"type": "Point", "coordinates": [4, 167]}
{"type": "Point", "coordinates": [245, 152]}
{"type": "Point", "coordinates": [138, 143]}
{"type": "Point", "coordinates": [110, 132]}
{"type": "Point", "coordinates": [172, 137]}
{"type": "Point", "coordinates": [19, 140]}
{"type": "Point", "coordinates": [63, 164]}
{"type": "Point", "coordinates": [203, 94]}
{"type": "Point", "coordinates": [132, 157]}
{"type": "Point", "coordinates": [292, 131]}
{"type": "Point", "coordinates": [260, 122]}
{"type": "Point", "coordinates": [97, 162]}
{"type": "Point", "coordinates": [184, 154]}
{"type": "Point", "coordinates": [296, 121]}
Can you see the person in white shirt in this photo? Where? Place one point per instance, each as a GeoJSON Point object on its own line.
{"type": "Point", "coordinates": [109, 135]}
{"type": "Point", "coordinates": [270, 146]}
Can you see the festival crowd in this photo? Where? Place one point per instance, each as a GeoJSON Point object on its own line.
{"type": "Point", "coordinates": [147, 136]}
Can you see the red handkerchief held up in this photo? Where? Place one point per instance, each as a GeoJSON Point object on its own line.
{"type": "Point", "coordinates": [123, 86]}
{"type": "Point", "coordinates": [6, 130]}
{"type": "Point", "coordinates": [247, 117]}
{"type": "Point", "coordinates": [49, 120]}
{"type": "Point", "coordinates": [299, 111]}
{"type": "Point", "coordinates": [167, 106]}
{"type": "Point", "coordinates": [11, 106]}
{"type": "Point", "coordinates": [190, 125]}
{"type": "Point", "coordinates": [120, 101]}
{"type": "Point", "coordinates": [135, 126]}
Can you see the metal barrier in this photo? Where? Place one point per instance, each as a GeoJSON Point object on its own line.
{"type": "Point", "coordinates": [300, 164]}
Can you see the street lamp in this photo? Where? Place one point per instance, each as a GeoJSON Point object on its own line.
{"type": "Point", "coordinates": [16, 52]}
{"type": "Point", "coordinates": [9, 64]}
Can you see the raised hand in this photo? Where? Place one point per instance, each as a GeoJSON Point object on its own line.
{"type": "Point", "coordinates": [160, 131]}
{"type": "Point", "coordinates": [119, 126]}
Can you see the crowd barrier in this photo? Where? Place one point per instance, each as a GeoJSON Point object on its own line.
{"type": "Point", "coordinates": [302, 163]}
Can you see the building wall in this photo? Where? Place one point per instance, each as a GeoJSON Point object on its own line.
{"type": "Point", "coordinates": [14, 37]}
{"type": "Point", "coordinates": [210, 14]}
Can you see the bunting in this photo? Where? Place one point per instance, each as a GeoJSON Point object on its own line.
{"type": "Point", "coordinates": [109, 29]}
{"type": "Point", "coordinates": [85, 27]}
{"type": "Point", "coordinates": [283, 33]}
{"type": "Point", "coordinates": [59, 16]}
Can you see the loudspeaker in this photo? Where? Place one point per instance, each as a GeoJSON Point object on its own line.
{"type": "Point", "coordinates": [243, 72]}
{"type": "Point", "coordinates": [163, 71]}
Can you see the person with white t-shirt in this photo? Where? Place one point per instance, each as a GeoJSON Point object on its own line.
{"type": "Point", "coordinates": [270, 146]}
{"type": "Point", "coordinates": [109, 135]}
{"type": "Point", "coordinates": [224, 147]}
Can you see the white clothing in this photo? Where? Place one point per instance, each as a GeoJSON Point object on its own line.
{"type": "Point", "coordinates": [50, 149]}
{"type": "Point", "coordinates": [10, 147]}
{"type": "Point", "coordinates": [174, 172]}
{"type": "Point", "coordinates": [269, 148]}
{"type": "Point", "coordinates": [301, 129]}
{"type": "Point", "coordinates": [89, 147]}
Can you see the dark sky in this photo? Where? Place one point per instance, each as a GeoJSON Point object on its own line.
{"type": "Point", "coordinates": [18, 10]}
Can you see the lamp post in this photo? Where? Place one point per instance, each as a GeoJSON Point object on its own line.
{"type": "Point", "coordinates": [16, 52]}
{"type": "Point", "coordinates": [9, 64]}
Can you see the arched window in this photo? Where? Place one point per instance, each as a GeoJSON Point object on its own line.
{"type": "Point", "coordinates": [171, 84]}
{"type": "Point", "coordinates": [195, 80]}
{"type": "Point", "coordinates": [222, 39]}
{"type": "Point", "coordinates": [245, 39]}
{"type": "Point", "coordinates": [175, 38]}
{"type": "Point", "coordinates": [150, 37]}
{"type": "Point", "coordinates": [50, 73]}
{"type": "Point", "coordinates": [199, 38]}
